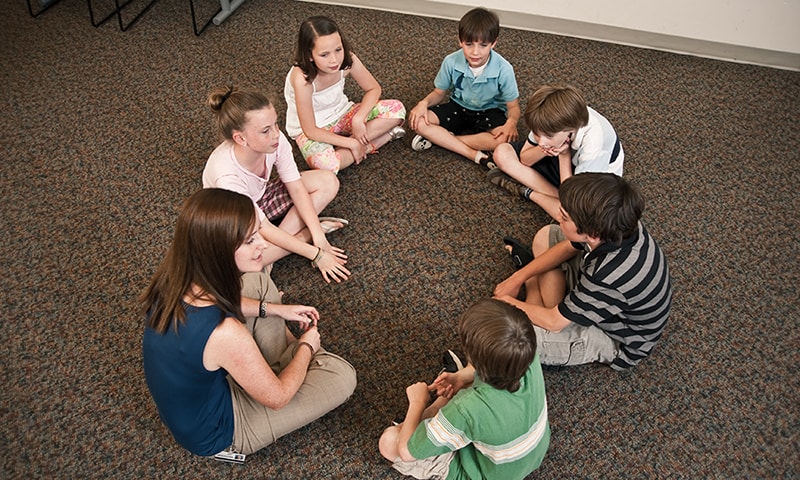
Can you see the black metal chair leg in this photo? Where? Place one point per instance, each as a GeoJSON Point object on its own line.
{"type": "Point", "coordinates": [194, 19]}
{"type": "Point", "coordinates": [118, 12]}
{"type": "Point", "coordinates": [44, 7]}
{"type": "Point", "coordinates": [136, 18]}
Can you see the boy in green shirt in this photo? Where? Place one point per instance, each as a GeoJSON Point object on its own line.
{"type": "Point", "coordinates": [489, 419]}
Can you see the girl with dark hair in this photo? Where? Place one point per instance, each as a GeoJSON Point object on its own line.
{"type": "Point", "coordinates": [331, 131]}
{"type": "Point", "coordinates": [226, 374]}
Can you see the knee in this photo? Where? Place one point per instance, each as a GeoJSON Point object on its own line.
{"type": "Point", "coordinates": [330, 182]}
{"type": "Point", "coordinates": [346, 379]}
{"type": "Point", "coordinates": [541, 241]}
{"type": "Point", "coordinates": [388, 443]}
{"type": "Point", "coordinates": [504, 156]}
{"type": "Point", "coordinates": [349, 380]}
{"type": "Point", "coordinates": [323, 183]}
{"type": "Point", "coordinates": [425, 128]}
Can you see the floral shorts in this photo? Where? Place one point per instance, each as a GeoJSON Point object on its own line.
{"type": "Point", "coordinates": [322, 155]}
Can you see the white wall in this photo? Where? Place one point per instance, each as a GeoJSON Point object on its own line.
{"type": "Point", "coordinates": [763, 32]}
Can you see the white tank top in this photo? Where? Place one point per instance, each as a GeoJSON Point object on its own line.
{"type": "Point", "coordinates": [328, 104]}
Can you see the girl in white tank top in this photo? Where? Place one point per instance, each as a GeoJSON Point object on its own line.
{"type": "Point", "coordinates": [331, 131]}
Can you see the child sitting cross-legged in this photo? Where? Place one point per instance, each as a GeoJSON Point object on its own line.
{"type": "Point", "coordinates": [597, 286]}
{"type": "Point", "coordinates": [489, 419]}
{"type": "Point", "coordinates": [483, 107]}
{"type": "Point", "coordinates": [567, 137]}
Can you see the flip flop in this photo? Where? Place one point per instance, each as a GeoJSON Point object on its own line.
{"type": "Point", "coordinates": [328, 230]}
{"type": "Point", "coordinates": [521, 255]}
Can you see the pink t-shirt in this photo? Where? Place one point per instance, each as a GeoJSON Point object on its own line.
{"type": "Point", "coordinates": [224, 171]}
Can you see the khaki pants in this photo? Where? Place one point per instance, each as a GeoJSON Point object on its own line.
{"type": "Point", "coordinates": [329, 382]}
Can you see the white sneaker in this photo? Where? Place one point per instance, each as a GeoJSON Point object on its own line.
{"type": "Point", "coordinates": [397, 132]}
{"type": "Point", "coordinates": [420, 143]}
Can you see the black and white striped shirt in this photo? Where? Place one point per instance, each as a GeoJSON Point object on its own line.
{"type": "Point", "coordinates": [624, 290]}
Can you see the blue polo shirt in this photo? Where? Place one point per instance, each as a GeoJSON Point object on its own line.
{"type": "Point", "coordinates": [493, 88]}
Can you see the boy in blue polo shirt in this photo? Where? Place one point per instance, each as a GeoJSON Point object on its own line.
{"type": "Point", "coordinates": [489, 419]}
{"type": "Point", "coordinates": [483, 110]}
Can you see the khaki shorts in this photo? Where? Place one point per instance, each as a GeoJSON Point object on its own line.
{"type": "Point", "coordinates": [434, 468]}
{"type": "Point", "coordinates": [572, 267]}
{"type": "Point", "coordinates": [575, 344]}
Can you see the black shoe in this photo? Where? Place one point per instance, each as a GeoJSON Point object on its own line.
{"type": "Point", "coordinates": [452, 361]}
{"type": "Point", "coordinates": [521, 255]}
{"type": "Point", "coordinates": [488, 162]}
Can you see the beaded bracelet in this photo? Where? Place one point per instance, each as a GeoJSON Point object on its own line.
{"type": "Point", "coordinates": [316, 259]}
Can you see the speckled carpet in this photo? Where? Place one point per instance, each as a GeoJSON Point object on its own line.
{"type": "Point", "coordinates": [104, 134]}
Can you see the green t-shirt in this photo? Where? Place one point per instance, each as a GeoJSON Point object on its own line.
{"type": "Point", "coordinates": [495, 433]}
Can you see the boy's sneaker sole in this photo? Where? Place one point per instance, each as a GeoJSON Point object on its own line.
{"type": "Point", "coordinates": [501, 179]}
{"type": "Point", "coordinates": [420, 143]}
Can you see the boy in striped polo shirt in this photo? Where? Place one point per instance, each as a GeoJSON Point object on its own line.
{"type": "Point", "coordinates": [489, 419]}
{"type": "Point", "coordinates": [598, 289]}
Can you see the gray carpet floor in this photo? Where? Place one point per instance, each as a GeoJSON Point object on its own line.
{"type": "Point", "coordinates": [104, 133]}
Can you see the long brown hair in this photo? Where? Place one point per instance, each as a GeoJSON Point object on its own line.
{"type": "Point", "coordinates": [212, 224]}
{"type": "Point", "coordinates": [311, 29]}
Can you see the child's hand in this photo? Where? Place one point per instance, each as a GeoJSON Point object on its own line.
{"type": "Point", "coordinates": [418, 114]}
{"type": "Point", "coordinates": [417, 393]}
{"type": "Point", "coordinates": [305, 315]}
{"type": "Point", "coordinates": [443, 385]}
{"type": "Point", "coordinates": [331, 265]}
{"type": "Point", "coordinates": [508, 287]}
{"type": "Point", "coordinates": [358, 150]}
{"type": "Point", "coordinates": [359, 131]}
{"type": "Point", "coordinates": [506, 133]}
{"type": "Point", "coordinates": [448, 384]}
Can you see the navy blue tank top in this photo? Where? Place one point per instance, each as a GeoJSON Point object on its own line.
{"type": "Point", "coordinates": [194, 403]}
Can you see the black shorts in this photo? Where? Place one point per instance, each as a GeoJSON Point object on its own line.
{"type": "Point", "coordinates": [547, 167]}
{"type": "Point", "coordinates": [463, 121]}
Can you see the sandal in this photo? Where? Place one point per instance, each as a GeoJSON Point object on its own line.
{"type": "Point", "coordinates": [328, 229]}
{"type": "Point", "coordinates": [521, 255]}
